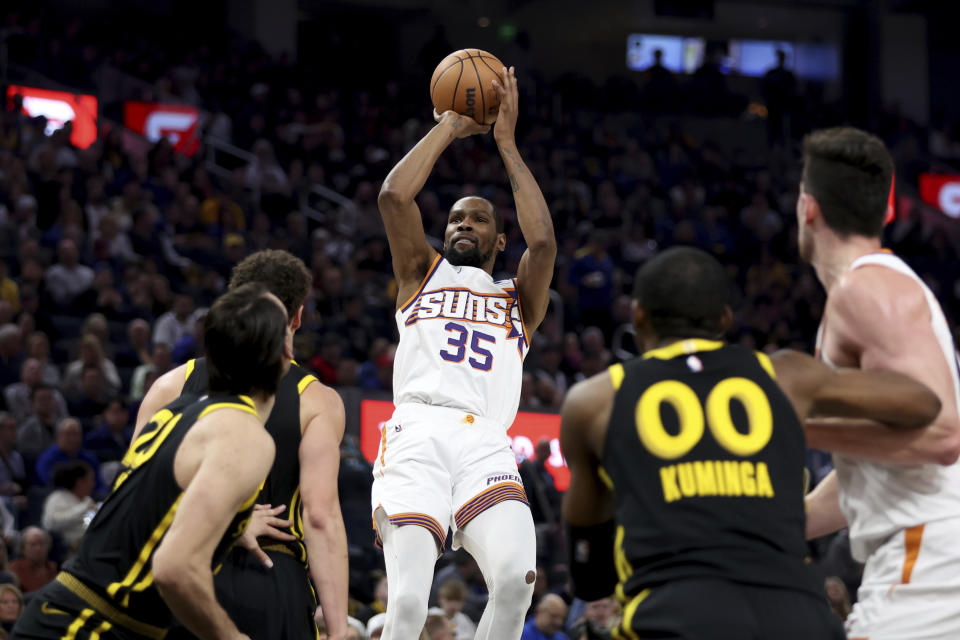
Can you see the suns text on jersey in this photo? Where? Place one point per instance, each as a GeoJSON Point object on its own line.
{"type": "Point", "coordinates": [462, 304]}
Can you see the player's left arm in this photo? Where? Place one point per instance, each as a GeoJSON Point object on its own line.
{"type": "Point", "coordinates": [588, 504]}
{"type": "Point", "coordinates": [537, 262]}
{"type": "Point", "coordinates": [235, 454]}
{"type": "Point", "coordinates": [324, 531]}
{"type": "Point", "coordinates": [881, 321]}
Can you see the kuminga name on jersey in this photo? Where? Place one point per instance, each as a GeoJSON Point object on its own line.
{"type": "Point", "coordinates": [462, 343]}
{"type": "Point", "coordinates": [705, 456]}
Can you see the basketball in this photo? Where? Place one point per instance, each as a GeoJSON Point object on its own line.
{"type": "Point", "coordinates": [463, 82]}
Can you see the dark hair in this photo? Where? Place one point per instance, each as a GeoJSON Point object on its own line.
{"type": "Point", "coordinates": [244, 334]}
{"type": "Point", "coordinates": [282, 273]}
{"type": "Point", "coordinates": [67, 474]}
{"type": "Point", "coordinates": [849, 172]}
{"type": "Point", "coordinates": [497, 218]}
{"type": "Point", "coordinates": [684, 292]}
{"type": "Point", "coordinates": [40, 386]}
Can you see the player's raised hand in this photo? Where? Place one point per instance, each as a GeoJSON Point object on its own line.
{"type": "Point", "coordinates": [463, 126]}
{"type": "Point", "coordinates": [506, 88]}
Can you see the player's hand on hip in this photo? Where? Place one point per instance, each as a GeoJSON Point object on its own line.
{"type": "Point", "coordinates": [463, 126]}
{"type": "Point", "coordinates": [265, 523]}
{"type": "Point", "coordinates": [506, 88]}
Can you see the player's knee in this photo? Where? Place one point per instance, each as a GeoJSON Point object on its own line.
{"type": "Point", "coordinates": [411, 606]}
{"type": "Point", "coordinates": [514, 585]}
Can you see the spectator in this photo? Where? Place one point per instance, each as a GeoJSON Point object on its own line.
{"type": "Point", "coordinates": [190, 345]}
{"type": "Point", "coordinates": [463, 568]}
{"type": "Point", "coordinates": [9, 291]}
{"type": "Point", "coordinates": [11, 606]}
{"type": "Point", "coordinates": [160, 363]}
{"type": "Point", "coordinates": [548, 620]}
{"type": "Point", "coordinates": [137, 349]}
{"type": "Point", "coordinates": [540, 486]}
{"type": "Point", "coordinates": [67, 279]}
{"type": "Point", "coordinates": [439, 627]}
{"type": "Point", "coordinates": [451, 598]}
{"type": "Point", "coordinates": [110, 440]}
{"type": "Point", "coordinates": [34, 568]}
{"type": "Point", "coordinates": [13, 474]}
{"type": "Point", "coordinates": [67, 448]}
{"type": "Point", "coordinates": [174, 324]}
{"type": "Point", "coordinates": [11, 356]}
{"type": "Point", "coordinates": [379, 604]}
{"type": "Point", "coordinates": [591, 272]}
{"type": "Point", "coordinates": [87, 403]}
{"type": "Point", "coordinates": [38, 347]}
{"type": "Point", "coordinates": [18, 395]}
{"type": "Point", "coordinates": [6, 576]}
{"type": "Point", "coordinates": [779, 91]}
{"type": "Point", "coordinates": [67, 511]}
{"type": "Point", "coordinates": [91, 354]}
{"type": "Point", "coordinates": [36, 432]}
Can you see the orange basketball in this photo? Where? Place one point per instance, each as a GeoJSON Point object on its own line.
{"type": "Point", "coordinates": [463, 82]}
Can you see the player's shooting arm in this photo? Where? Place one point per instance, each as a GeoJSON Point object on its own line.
{"type": "Point", "coordinates": [163, 391]}
{"type": "Point", "coordinates": [537, 263]}
{"type": "Point", "coordinates": [324, 532]}
{"type": "Point", "coordinates": [411, 253]}
{"type": "Point", "coordinates": [236, 457]}
{"type": "Point", "coordinates": [588, 503]}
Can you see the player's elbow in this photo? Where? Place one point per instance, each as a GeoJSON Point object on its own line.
{"type": "Point", "coordinates": [545, 246]}
{"type": "Point", "coordinates": [319, 518]}
{"type": "Point", "coordinates": [170, 571]}
{"type": "Point", "coordinates": [390, 198]}
{"type": "Point", "coordinates": [949, 450]}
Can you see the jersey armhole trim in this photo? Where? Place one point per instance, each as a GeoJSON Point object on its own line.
{"type": "Point", "coordinates": [228, 405]}
{"type": "Point", "coordinates": [616, 375]}
{"type": "Point", "coordinates": [191, 365]}
{"type": "Point", "coordinates": [423, 283]}
{"type": "Point", "coordinates": [766, 364]}
{"type": "Point", "coordinates": [305, 382]}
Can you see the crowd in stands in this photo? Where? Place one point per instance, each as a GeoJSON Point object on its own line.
{"type": "Point", "coordinates": [109, 259]}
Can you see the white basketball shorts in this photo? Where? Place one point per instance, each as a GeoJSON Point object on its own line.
{"type": "Point", "coordinates": [911, 586]}
{"type": "Point", "coordinates": [439, 468]}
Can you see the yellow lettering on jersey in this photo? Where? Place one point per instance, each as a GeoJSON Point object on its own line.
{"type": "Point", "coordinates": [715, 478]}
{"type": "Point", "coordinates": [764, 486]}
{"type": "Point", "coordinates": [668, 478]}
{"type": "Point", "coordinates": [706, 480]}
{"type": "Point", "coordinates": [143, 448]}
{"type": "Point", "coordinates": [624, 570]}
{"type": "Point", "coordinates": [746, 479]}
{"type": "Point", "coordinates": [650, 424]}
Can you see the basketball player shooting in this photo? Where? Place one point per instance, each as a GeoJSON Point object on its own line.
{"type": "Point", "coordinates": [445, 459]}
{"type": "Point", "coordinates": [899, 491]}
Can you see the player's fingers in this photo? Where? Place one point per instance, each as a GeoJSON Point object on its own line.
{"type": "Point", "coordinates": [261, 507]}
{"type": "Point", "coordinates": [436, 116]}
{"type": "Point", "coordinates": [262, 557]}
{"type": "Point", "coordinates": [280, 524]}
{"type": "Point", "coordinates": [277, 534]}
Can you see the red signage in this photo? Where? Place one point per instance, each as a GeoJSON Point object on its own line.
{"type": "Point", "coordinates": [60, 107]}
{"type": "Point", "coordinates": [941, 190]}
{"type": "Point", "coordinates": [175, 122]}
{"type": "Point", "coordinates": [527, 430]}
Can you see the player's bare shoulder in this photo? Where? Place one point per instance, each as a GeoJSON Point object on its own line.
{"type": "Point", "coordinates": [320, 401]}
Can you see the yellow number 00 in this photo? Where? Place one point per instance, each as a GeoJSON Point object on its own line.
{"type": "Point", "coordinates": [691, 415]}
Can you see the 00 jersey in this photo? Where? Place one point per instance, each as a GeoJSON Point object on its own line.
{"type": "Point", "coordinates": [462, 343]}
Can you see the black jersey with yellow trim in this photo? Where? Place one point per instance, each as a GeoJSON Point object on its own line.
{"type": "Point", "coordinates": [282, 485]}
{"type": "Point", "coordinates": [705, 456]}
{"type": "Point", "coordinates": [113, 562]}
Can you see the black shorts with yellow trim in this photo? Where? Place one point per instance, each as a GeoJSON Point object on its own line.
{"type": "Point", "coordinates": [57, 613]}
{"type": "Point", "coordinates": [713, 609]}
{"type": "Point", "coordinates": [276, 603]}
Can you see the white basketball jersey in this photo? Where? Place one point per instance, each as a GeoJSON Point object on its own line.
{"type": "Point", "coordinates": [462, 344]}
{"type": "Point", "coordinates": [880, 499]}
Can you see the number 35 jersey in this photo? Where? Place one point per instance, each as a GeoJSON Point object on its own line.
{"type": "Point", "coordinates": [706, 456]}
{"type": "Point", "coordinates": [462, 343]}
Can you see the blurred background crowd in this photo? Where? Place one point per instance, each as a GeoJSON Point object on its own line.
{"type": "Point", "coordinates": [111, 253]}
